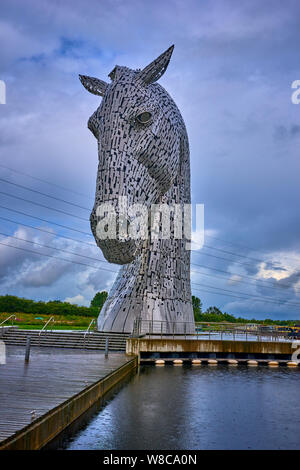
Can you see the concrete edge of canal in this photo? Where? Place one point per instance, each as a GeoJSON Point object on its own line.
{"type": "Point", "coordinates": [160, 348]}
{"type": "Point", "coordinates": [49, 426]}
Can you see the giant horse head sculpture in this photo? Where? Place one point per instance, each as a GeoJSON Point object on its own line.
{"type": "Point", "coordinates": [143, 156]}
{"type": "Point", "coordinates": [138, 133]}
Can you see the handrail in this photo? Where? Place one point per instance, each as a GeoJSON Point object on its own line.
{"type": "Point", "coordinates": [88, 328]}
{"type": "Point", "coordinates": [165, 328]}
{"type": "Point", "coordinates": [6, 319]}
{"type": "Point", "coordinates": [13, 317]}
{"type": "Point", "coordinates": [46, 324]}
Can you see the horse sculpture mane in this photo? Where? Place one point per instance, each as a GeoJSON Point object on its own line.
{"type": "Point", "coordinates": [143, 158]}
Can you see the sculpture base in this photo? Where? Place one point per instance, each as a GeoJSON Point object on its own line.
{"type": "Point", "coordinates": [156, 316]}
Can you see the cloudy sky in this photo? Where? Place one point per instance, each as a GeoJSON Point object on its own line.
{"type": "Point", "coordinates": [230, 74]}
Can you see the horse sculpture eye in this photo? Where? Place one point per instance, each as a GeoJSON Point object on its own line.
{"type": "Point", "coordinates": [144, 118]}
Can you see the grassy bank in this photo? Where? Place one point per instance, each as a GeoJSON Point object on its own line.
{"type": "Point", "coordinates": [62, 322]}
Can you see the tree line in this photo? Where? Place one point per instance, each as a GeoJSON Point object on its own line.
{"type": "Point", "coordinates": [14, 304]}
{"type": "Point", "coordinates": [213, 314]}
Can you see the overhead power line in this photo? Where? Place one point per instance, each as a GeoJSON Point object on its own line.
{"type": "Point", "coordinates": [42, 205]}
{"type": "Point", "coordinates": [249, 295]}
{"type": "Point", "coordinates": [44, 194]}
{"type": "Point", "coordinates": [47, 231]}
{"type": "Point", "coordinates": [45, 220]}
{"type": "Point", "coordinates": [85, 195]}
{"type": "Point", "coordinates": [54, 248]}
{"type": "Point", "coordinates": [224, 259]}
{"type": "Point", "coordinates": [87, 220]}
{"type": "Point", "coordinates": [78, 217]}
{"type": "Point", "coordinates": [229, 295]}
{"type": "Point", "coordinates": [44, 181]}
{"type": "Point", "coordinates": [235, 254]}
{"type": "Point", "coordinates": [55, 257]}
{"type": "Point", "coordinates": [221, 293]}
{"type": "Point", "coordinates": [265, 299]}
{"type": "Point", "coordinates": [256, 281]}
{"type": "Point", "coordinates": [243, 246]}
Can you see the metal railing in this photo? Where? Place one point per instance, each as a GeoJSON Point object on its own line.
{"type": "Point", "coordinates": [163, 328]}
{"type": "Point", "coordinates": [44, 329]}
{"type": "Point", "coordinates": [205, 330]}
{"type": "Point", "coordinates": [12, 318]}
{"type": "Point", "coordinates": [88, 329]}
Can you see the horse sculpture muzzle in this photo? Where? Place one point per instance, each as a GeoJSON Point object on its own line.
{"type": "Point", "coordinates": [117, 194]}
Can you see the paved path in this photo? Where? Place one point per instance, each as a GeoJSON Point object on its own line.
{"type": "Point", "coordinates": [52, 376]}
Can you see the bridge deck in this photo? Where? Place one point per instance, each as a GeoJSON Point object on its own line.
{"type": "Point", "coordinates": [52, 376]}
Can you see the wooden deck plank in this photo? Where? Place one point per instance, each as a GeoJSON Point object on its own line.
{"type": "Point", "coordinates": [51, 377]}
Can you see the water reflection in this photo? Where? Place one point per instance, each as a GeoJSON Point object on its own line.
{"type": "Point", "coordinates": [199, 408]}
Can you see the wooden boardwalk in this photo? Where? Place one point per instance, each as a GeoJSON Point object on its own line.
{"type": "Point", "coordinates": [51, 377]}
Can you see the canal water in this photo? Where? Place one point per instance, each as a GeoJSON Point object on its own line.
{"type": "Point", "coordinates": [175, 407]}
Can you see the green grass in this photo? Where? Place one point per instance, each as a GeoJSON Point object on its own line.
{"type": "Point", "coordinates": [29, 321]}
{"type": "Point", "coordinates": [55, 327]}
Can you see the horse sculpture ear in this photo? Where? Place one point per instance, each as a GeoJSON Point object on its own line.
{"type": "Point", "coordinates": [94, 85]}
{"type": "Point", "coordinates": [157, 68]}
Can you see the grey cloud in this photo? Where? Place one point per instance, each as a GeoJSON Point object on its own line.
{"type": "Point", "coordinates": [282, 132]}
{"type": "Point", "coordinates": [36, 276]}
{"type": "Point", "coordinates": [291, 280]}
{"type": "Point", "coordinates": [13, 261]}
{"type": "Point", "coordinates": [101, 280]}
{"type": "Point", "coordinates": [45, 274]}
{"type": "Point", "coordinates": [230, 75]}
{"type": "Point", "coordinates": [295, 130]}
